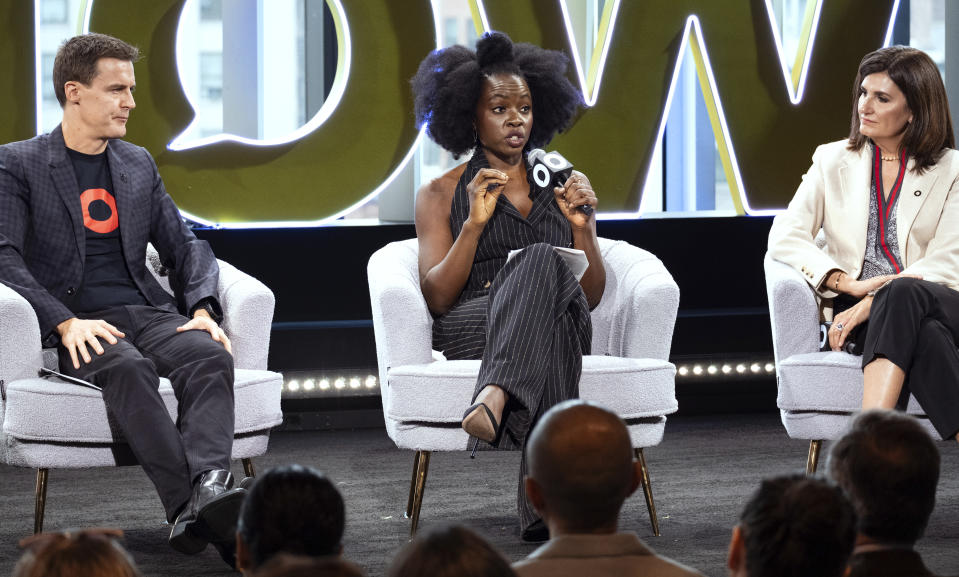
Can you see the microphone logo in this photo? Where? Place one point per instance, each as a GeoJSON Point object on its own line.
{"type": "Point", "coordinates": [549, 167]}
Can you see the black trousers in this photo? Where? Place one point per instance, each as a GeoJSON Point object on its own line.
{"type": "Point", "coordinates": [915, 324]}
{"type": "Point", "coordinates": [201, 372]}
{"type": "Point", "coordinates": [531, 331]}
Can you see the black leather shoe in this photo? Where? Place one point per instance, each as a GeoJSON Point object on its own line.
{"type": "Point", "coordinates": [537, 532]}
{"type": "Point", "coordinates": [209, 515]}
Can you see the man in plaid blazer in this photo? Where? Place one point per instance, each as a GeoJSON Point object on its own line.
{"type": "Point", "coordinates": [77, 209]}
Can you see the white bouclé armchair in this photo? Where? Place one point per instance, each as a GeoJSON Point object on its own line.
{"type": "Point", "coordinates": [628, 370]}
{"type": "Point", "coordinates": [818, 392]}
{"type": "Point", "coordinates": [50, 424]}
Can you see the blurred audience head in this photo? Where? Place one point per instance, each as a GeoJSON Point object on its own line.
{"type": "Point", "coordinates": [83, 553]}
{"type": "Point", "coordinates": [452, 551]}
{"type": "Point", "coordinates": [286, 565]}
{"type": "Point", "coordinates": [581, 468]}
{"type": "Point", "coordinates": [793, 526]}
{"type": "Point", "coordinates": [889, 467]}
{"type": "Point", "coordinates": [289, 509]}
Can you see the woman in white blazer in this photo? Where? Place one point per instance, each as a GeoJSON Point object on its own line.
{"type": "Point", "coordinates": [887, 201]}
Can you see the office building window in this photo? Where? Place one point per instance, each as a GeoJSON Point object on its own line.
{"type": "Point", "coordinates": [211, 9]}
{"type": "Point", "coordinates": [211, 75]}
{"type": "Point", "coordinates": [54, 11]}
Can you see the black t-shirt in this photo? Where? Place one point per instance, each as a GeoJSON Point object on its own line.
{"type": "Point", "coordinates": [106, 280]}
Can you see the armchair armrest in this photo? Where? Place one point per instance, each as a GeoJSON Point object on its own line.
{"type": "Point", "coordinates": [640, 303]}
{"type": "Point", "coordinates": [247, 316]}
{"type": "Point", "coordinates": [793, 311]}
{"type": "Point", "coordinates": [20, 349]}
{"type": "Point", "coordinates": [405, 337]}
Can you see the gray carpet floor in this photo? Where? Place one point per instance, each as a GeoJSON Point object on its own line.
{"type": "Point", "coordinates": [702, 474]}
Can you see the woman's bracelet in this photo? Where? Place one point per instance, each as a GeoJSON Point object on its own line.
{"type": "Point", "coordinates": [838, 276]}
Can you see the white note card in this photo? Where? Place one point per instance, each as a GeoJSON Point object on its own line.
{"type": "Point", "coordinates": [575, 259]}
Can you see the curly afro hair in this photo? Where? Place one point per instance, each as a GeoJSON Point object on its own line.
{"type": "Point", "coordinates": [447, 87]}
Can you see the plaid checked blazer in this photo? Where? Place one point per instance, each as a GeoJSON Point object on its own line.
{"type": "Point", "coordinates": [42, 240]}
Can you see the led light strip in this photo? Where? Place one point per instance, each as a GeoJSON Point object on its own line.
{"type": "Point", "coordinates": [330, 220]}
{"type": "Point", "coordinates": [892, 24]}
{"type": "Point", "coordinates": [719, 370]}
{"type": "Point", "coordinates": [301, 384]}
{"type": "Point", "coordinates": [37, 61]}
{"type": "Point", "coordinates": [796, 86]}
{"type": "Point", "coordinates": [591, 80]}
{"type": "Point", "coordinates": [317, 386]}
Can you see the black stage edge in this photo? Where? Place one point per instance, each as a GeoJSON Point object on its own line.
{"type": "Point", "coordinates": [323, 321]}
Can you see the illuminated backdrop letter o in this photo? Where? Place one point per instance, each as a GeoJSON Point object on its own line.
{"type": "Point", "coordinates": [314, 178]}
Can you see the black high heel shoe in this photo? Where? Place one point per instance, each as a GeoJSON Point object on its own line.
{"type": "Point", "coordinates": [476, 429]}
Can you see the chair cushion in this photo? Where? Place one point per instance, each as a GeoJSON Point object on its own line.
{"type": "Point", "coordinates": [439, 392]}
{"type": "Point", "coordinates": [824, 381]}
{"type": "Point", "coordinates": [54, 411]}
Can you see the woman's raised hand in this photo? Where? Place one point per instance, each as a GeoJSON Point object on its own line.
{"type": "Point", "coordinates": [483, 192]}
{"type": "Point", "coordinates": [575, 193]}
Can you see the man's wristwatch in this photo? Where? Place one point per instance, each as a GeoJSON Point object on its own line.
{"type": "Point", "coordinates": [207, 305]}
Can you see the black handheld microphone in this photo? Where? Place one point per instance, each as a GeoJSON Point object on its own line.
{"type": "Point", "coordinates": [551, 169]}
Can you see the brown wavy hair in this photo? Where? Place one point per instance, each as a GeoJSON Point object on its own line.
{"type": "Point", "coordinates": [450, 551]}
{"type": "Point", "coordinates": [77, 58]}
{"type": "Point", "coordinates": [83, 553]}
{"type": "Point", "coordinates": [930, 133]}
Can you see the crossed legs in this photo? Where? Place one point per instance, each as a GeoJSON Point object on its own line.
{"type": "Point", "coordinates": [911, 348]}
{"type": "Point", "coordinates": [882, 384]}
{"type": "Point", "coordinates": [538, 328]}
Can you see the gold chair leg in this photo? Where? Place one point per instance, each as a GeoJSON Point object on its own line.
{"type": "Point", "coordinates": [248, 469]}
{"type": "Point", "coordinates": [409, 501]}
{"type": "Point", "coordinates": [812, 461]}
{"type": "Point", "coordinates": [648, 491]}
{"type": "Point", "coordinates": [421, 471]}
{"type": "Point", "coordinates": [41, 501]}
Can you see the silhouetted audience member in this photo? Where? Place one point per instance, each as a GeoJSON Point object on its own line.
{"type": "Point", "coordinates": [289, 509]}
{"type": "Point", "coordinates": [286, 565]}
{"type": "Point", "coordinates": [83, 553]}
{"type": "Point", "coordinates": [793, 526]}
{"type": "Point", "coordinates": [581, 470]}
{"type": "Point", "coordinates": [452, 551]}
{"type": "Point", "coordinates": [889, 467]}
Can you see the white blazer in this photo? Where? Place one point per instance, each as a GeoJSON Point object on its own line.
{"type": "Point", "coordinates": [834, 196]}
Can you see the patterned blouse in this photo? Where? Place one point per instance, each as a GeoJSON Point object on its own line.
{"type": "Point", "coordinates": [882, 244]}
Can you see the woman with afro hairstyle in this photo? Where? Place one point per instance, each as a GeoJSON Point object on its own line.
{"type": "Point", "coordinates": [527, 319]}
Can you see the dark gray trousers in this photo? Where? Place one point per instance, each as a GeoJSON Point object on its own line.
{"type": "Point", "coordinates": [915, 324]}
{"type": "Point", "coordinates": [201, 372]}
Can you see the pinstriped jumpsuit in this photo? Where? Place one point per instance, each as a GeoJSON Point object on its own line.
{"type": "Point", "coordinates": [528, 319]}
